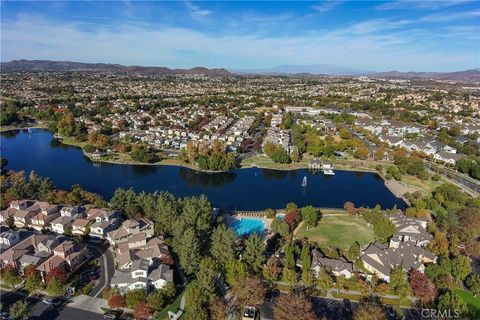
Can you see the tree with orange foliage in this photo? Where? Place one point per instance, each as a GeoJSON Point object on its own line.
{"type": "Point", "coordinates": [141, 311]}
{"type": "Point", "coordinates": [116, 301]}
{"type": "Point", "coordinates": [59, 273]}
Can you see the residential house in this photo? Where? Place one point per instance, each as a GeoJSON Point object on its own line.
{"type": "Point", "coordinates": [67, 255]}
{"type": "Point", "coordinates": [130, 228]}
{"type": "Point", "coordinates": [104, 222]}
{"type": "Point", "coordinates": [80, 226]}
{"type": "Point", "coordinates": [381, 259]}
{"type": "Point", "coordinates": [9, 238]}
{"type": "Point", "coordinates": [338, 267]}
{"type": "Point", "coordinates": [142, 275]}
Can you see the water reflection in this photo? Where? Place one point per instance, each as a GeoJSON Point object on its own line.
{"type": "Point", "coordinates": [271, 174]}
{"type": "Point", "coordinates": [205, 179]}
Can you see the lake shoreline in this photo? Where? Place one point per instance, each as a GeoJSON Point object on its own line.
{"type": "Point", "coordinates": [256, 188]}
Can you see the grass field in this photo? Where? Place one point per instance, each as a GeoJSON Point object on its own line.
{"type": "Point", "coordinates": [472, 302]}
{"type": "Point", "coordinates": [340, 230]}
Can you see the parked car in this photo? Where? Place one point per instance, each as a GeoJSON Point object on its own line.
{"type": "Point", "coordinates": [112, 315]}
{"type": "Point", "coordinates": [348, 305]}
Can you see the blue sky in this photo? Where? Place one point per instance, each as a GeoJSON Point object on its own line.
{"type": "Point", "coordinates": [376, 35]}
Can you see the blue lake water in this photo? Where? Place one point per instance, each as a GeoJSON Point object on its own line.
{"type": "Point", "coordinates": [246, 189]}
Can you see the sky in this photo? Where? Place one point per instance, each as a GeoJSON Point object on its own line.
{"type": "Point", "coordinates": [398, 35]}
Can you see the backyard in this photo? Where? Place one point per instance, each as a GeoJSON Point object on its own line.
{"type": "Point", "coordinates": [337, 230]}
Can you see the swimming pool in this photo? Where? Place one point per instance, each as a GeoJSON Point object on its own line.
{"type": "Point", "coordinates": [280, 216]}
{"type": "Point", "coordinates": [247, 226]}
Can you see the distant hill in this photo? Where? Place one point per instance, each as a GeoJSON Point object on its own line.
{"type": "Point", "coordinates": [473, 75]}
{"type": "Point", "coordinates": [47, 65]}
{"type": "Point", "coordinates": [316, 69]}
{"type": "Point", "coordinates": [299, 70]}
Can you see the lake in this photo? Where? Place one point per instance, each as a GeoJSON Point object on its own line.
{"type": "Point", "coordinates": [245, 189]}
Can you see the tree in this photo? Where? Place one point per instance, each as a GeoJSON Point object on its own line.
{"type": "Point", "coordinates": [451, 301]}
{"type": "Point", "coordinates": [249, 291]}
{"type": "Point", "coordinates": [141, 311]}
{"type": "Point", "coordinates": [271, 271]}
{"type": "Point", "coordinates": [369, 312]}
{"type": "Point", "coordinates": [254, 253]}
{"type": "Point", "coordinates": [380, 153]}
{"type": "Point", "coordinates": [422, 286]}
{"type": "Point", "coordinates": [20, 310]}
{"type": "Point", "coordinates": [187, 246]}
{"type": "Point", "coordinates": [349, 207]}
{"type": "Point", "coordinates": [354, 251]}
{"type": "Point", "coordinates": [10, 276]}
{"type": "Point", "coordinates": [134, 297]}
{"type": "Point", "coordinates": [116, 301]}
{"type": "Point", "coordinates": [473, 283]}
{"type": "Point", "coordinates": [439, 244]}
{"type": "Point", "coordinates": [206, 277]}
{"type": "Point", "coordinates": [384, 229]}
{"type": "Point", "coordinates": [293, 306]}
{"type": "Point", "coordinates": [224, 245]}
{"type": "Point", "coordinates": [55, 287]}
{"type": "Point", "coordinates": [10, 222]}
{"type": "Point", "coordinates": [235, 271]}
{"type": "Point", "coordinates": [289, 276]}
{"type": "Point", "coordinates": [305, 256]}
{"type": "Point", "coordinates": [309, 216]}
{"type": "Point", "coordinates": [59, 273]}
{"type": "Point", "coordinates": [382, 288]}
{"type": "Point", "coordinates": [142, 153]}
{"type": "Point", "coordinates": [461, 267]}
{"type": "Point", "coordinates": [398, 282]}
{"type": "Point", "coordinates": [324, 280]}
{"type": "Point", "coordinates": [195, 303]}
{"type": "Point", "coordinates": [32, 279]}
{"type": "Point", "coordinates": [218, 309]}
{"type": "Point", "coordinates": [361, 152]}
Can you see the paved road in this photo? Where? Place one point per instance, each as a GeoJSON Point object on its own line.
{"type": "Point", "coordinates": [469, 183]}
{"type": "Point", "coordinates": [40, 311]}
{"type": "Point", "coordinates": [107, 266]}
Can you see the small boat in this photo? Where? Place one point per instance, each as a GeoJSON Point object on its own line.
{"type": "Point", "coordinates": [328, 172]}
{"type": "Point", "coordinates": [304, 182]}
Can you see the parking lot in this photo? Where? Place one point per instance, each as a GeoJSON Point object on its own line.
{"type": "Point", "coordinates": [333, 309]}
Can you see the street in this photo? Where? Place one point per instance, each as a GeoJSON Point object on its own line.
{"type": "Point", "coordinates": [41, 311]}
{"type": "Point", "coordinates": [107, 266]}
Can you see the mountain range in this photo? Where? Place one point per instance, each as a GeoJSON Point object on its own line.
{"type": "Point", "coordinates": [320, 69]}
{"type": "Point", "coordinates": [48, 65]}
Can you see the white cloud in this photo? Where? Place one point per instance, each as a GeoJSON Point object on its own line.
{"type": "Point", "coordinates": [448, 16]}
{"type": "Point", "coordinates": [421, 4]}
{"type": "Point", "coordinates": [327, 5]}
{"type": "Point", "coordinates": [358, 46]}
{"type": "Point", "coordinates": [196, 12]}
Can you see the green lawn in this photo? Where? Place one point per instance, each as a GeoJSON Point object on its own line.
{"type": "Point", "coordinates": [472, 302]}
{"type": "Point", "coordinates": [340, 230]}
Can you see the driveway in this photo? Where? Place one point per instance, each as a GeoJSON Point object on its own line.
{"type": "Point", "coordinates": [105, 260]}
{"type": "Point", "coordinates": [41, 311]}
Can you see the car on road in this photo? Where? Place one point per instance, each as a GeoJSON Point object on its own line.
{"type": "Point", "coordinates": [390, 312]}
{"type": "Point", "coordinates": [271, 295]}
{"type": "Point", "coordinates": [112, 315]}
